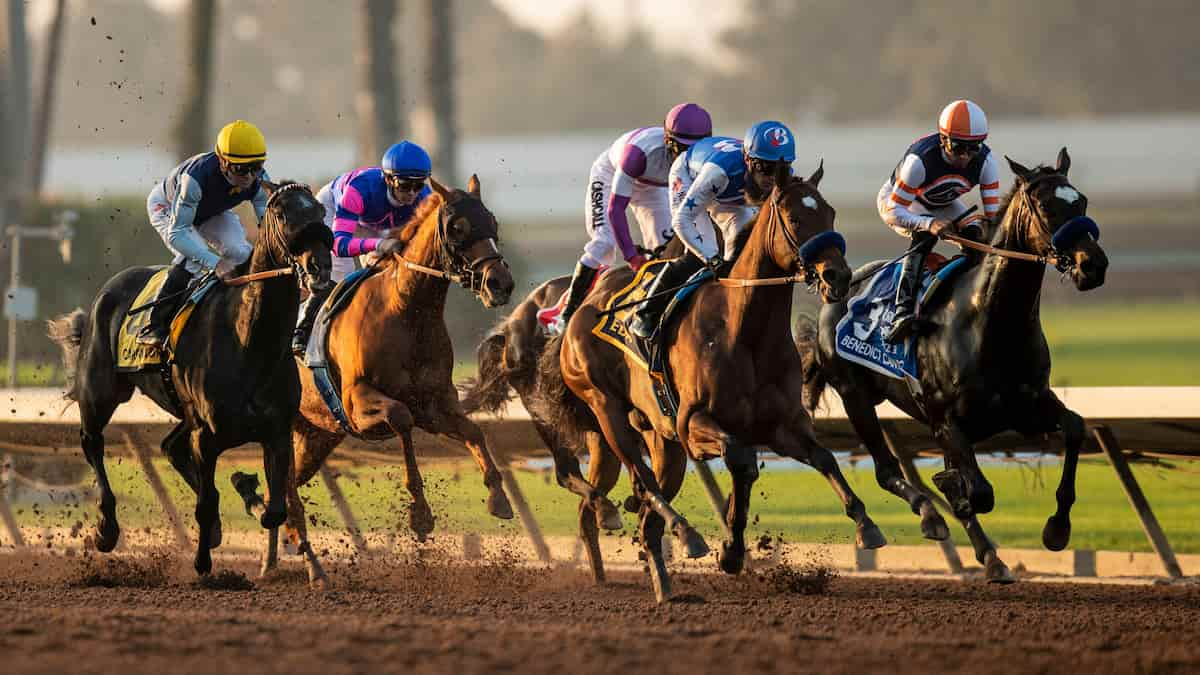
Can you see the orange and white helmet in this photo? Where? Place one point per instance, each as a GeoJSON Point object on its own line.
{"type": "Point", "coordinates": [963, 120]}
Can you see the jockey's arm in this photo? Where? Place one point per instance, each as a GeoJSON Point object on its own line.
{"type": "Point", "coordinates": [345, 221]}
{"type": "Point", "coordinates": [690, 202]}
{"type": "Point", "coordinates": [895, 210]}
{"type": "Point", "coordinates": [632, 166]}
{"type": "Point", "coordinates": [989, 186]}
{"type": "Point", "coordinates": [182, 235]}
{"type": "Point", "coordinates": [259, 200]}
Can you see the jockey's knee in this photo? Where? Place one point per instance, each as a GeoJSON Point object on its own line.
{"type": "Point", "coordinates": [239, 252]}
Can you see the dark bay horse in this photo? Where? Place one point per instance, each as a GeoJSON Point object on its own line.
{"type": "Point", "coordinates": [986, 370]}
{"type": "Point", "coordinates": [391, 358]}
{"type": "Point", "coordinates": [234, 378]}
{"type": "Point", "coordinates": [734, 365]}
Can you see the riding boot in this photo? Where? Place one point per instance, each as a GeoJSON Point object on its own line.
{"type": "Point", "coordinates": [308, 316]}
{"type": "Point", "coordinates": [905, 320]}
{"type": "Point", "coordinates": [581, 283]}
{"type": "Point", "coordinates": [644, 321]}
{"type": "Point", "coordinates": [158, 328]}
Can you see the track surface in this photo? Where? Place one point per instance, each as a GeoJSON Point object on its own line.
{"type": "Point", "coordinates": [431, 616]}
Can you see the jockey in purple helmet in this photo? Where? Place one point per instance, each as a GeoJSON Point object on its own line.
{"type": "Point", "coordinates": [632, 173]}
{"type": "Point", "coordinates": [370, 201]}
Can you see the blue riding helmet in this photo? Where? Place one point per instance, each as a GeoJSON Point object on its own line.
{"type": "Point", "coordinates": [407, 160]}
{"type": "Point", "coordinates": [770, 141]}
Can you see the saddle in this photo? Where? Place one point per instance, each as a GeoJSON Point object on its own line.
{"type": "Point", "coordinates": [316, 355]}
{"type": "Point", "coordinates": [132, 356]}
{"type": "Point", "coordinates": [868, 318]}
{"type": "Point", "coordinates": [650, 355]}
{"type": "Point", "coordinates": [550, 318]}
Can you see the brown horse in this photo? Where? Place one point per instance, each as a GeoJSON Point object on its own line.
{"type": "Point", "coordinates": [735, 371]}
{"type": "Point", "coordinates": [391, 359]}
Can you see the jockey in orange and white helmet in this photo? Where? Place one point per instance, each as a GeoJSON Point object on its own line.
{"type": "Point", "coordinates": [923, 195]}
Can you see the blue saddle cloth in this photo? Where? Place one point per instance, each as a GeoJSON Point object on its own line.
{"type": "Point", "coordinates": [869, 317]}
{"type": "Point", "coordinates": [315, 357]}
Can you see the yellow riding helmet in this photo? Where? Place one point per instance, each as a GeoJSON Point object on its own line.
{"type": "Point", "coordinates": [241, 142]}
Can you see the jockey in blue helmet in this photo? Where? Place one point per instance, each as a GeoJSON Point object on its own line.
{"type": "Point", "coordinates": [363, 205]}
{"type": "Point", "coordinates": [717, 184]}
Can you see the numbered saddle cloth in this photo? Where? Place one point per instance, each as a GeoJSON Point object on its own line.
{"type": "Point", "coordinates": [869, 314]}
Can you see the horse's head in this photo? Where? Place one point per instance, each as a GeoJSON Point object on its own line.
{"type": "Point", "coordinates": [470, 235]}
{"type": "Point", "coordinates": [1050, 219]}
{"type": "Point", "coordinates": [294, 229]}
{"type": "Point", "coordinates": [803, 238]}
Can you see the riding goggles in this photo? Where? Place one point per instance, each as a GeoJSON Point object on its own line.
{"type": "Point", "coordinates": [960, 147]}
{"type": "Point", "coordinates": [247, 169]}
{"type": "Point", "coordinates": [402, 184]}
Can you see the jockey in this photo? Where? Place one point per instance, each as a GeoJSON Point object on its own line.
{"type": "Point", "coordinates": [377, 199]}
{"type": "Point", "coordinates": [935, 172]}
{"type": "Point", "coordinates": [717, 183]}
{"type": "Point", "coordinates": [192, 211]}
{"type": "Point", "coordinates": [632, 172]}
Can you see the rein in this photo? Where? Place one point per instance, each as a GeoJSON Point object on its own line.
{"type": "Point", "coordinates": [808, 276]}
{"type": "Point", "coordinates": [260, 276]}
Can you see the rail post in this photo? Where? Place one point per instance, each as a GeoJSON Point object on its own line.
{"type": "Point", "coordinates": [137, 447]}
{"type": "Point", "coordinates": [330, 480]}
{"type": "Point", "coordinates": [891, 436]}
{"type": "Point", "coordinates": [526, 515]}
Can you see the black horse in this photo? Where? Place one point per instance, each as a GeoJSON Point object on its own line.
{"type": "Point", "coordinates": [234, 378]}
{"type": "Point", "coordinates": [986, 370]}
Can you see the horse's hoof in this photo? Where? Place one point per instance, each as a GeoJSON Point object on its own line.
{"type": "Point", "coordinates": [498, 506]}
{"type": "Point", "coordinates": [320, 583]}
{"type": "Point", "coordinates": [1057, 533]}
{"type": "Point", "coordinates": [107, 535]}
{"type": "Point", "coordinates": [731, 558]}
{"type": "Point", "coordinates": [933, 526]}
{"type": "Point", "coordinates": [203, 563]}
{"type": "Point", "coordinates": [996, 572]}
{"type": "Point", "coordinates": [420, 519]}
{"type": "Point", "coordinates": [870, 537]}
{"type": "Point", "coordinates": [607, 516]}
{"type": "Point", "coordinates": [693, 544]}
{"type": "Point", "coordinates": [632, 504]}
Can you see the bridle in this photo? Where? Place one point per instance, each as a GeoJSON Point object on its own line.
{"type": "Point", "coordinates": [809, 252]}
{"type": "Point", "coordinates": [273, 237]}
{"type": "Point", "coordinates": [470, 274]}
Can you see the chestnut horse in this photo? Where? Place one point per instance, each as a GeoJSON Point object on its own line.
{"type": "Point", "coordinates": [987, 369]}
{"type": "Point", "coordinates": [735, 370]}
{"type": "Point", "coordinates": [390, 356]}
{"type": "Point", "coordinates": [233, 378]}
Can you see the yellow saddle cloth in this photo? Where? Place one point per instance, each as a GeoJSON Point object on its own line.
{"type": "Point", "coordinates": [132, 355]}
{"type": "Point", "coordinates": [611, 327]}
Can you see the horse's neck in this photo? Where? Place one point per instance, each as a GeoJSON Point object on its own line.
{"type": "Point", "coordinates": [1008, 292]}
{"type": "Point", "coordinates": [422, 248]}
{"type": "Point", "coordinates": [757, 310]}
{"type": "Point", "coordinates": [264, 311]}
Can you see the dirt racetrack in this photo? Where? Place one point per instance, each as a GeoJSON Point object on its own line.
{"type": "Point", "coordinates": [149, 615]}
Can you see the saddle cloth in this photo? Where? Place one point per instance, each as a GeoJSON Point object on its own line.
{"type": "Point", "coordinates": [860, 333]}
{"type": "Point", "coordinates": [550, 318]}
{"type": "Point", "coordinates": [132, 356]}
{"type": "Point", "coordinates": [316, 354]}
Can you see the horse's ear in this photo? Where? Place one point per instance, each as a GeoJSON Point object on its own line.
{"type": "Point", "coordinates": [442, 191]}
{"type": "Point", "coordinates": [269, 187]}
{"type": "Point", "coordinates": [1064, 162]}
{"type": "Point", "coordinates": [783, 175]}
{"type": "Point", "coordinates": [473, 186]}
{"type": "Point", "coordinates": [1019, 170]}
{"type": "Point", "coordinates": [815, 178]}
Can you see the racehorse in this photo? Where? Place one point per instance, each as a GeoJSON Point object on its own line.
{"type": "Point", "coordinates": [391, 360]}
{"type": "Point", "coordinates": [232, 378]}
{"type": "Point", "coordinates": [508, 362]}
{"type": "Point", "coordinates": [735, 371]}
{"type": "Point", "coordinates": [987, 369]}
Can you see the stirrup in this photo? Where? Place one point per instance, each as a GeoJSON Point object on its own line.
{"type": "Point", "coordinates": [299, 343]}
{"type": "Point", "coordinates": [640, 327]}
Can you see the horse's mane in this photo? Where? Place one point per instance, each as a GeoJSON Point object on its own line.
{"type": "Point", "coordinates": [1006, 200]}
{"type": "Point", "coordinates": [429, 205]}
{"type": "Point", "coordinates": [744, 235]}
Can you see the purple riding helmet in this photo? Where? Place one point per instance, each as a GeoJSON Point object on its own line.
{"type": "Point", "coordinates": [686, 123]}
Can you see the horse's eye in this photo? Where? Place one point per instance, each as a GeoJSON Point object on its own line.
{"type": "Point", "coordinates": [462, 227]}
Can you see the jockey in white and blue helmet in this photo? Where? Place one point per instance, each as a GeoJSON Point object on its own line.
{"type": "Point", "coordinates": [361, 207]}
{"type": "Point", "coordinates": [717, 184]}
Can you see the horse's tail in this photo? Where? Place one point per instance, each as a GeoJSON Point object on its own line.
{"type": "Point", "coordinates": [555, 403]}
{"type": "Point", "coordinates": [810, 362]}
{"type": "Point", "coordinates": [490, 389]}
{"type": "Point", "coordinates": [67, 332]}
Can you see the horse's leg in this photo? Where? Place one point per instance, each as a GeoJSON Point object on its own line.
{"type": "Point", "coordinates": [626, 442]}
{"type": "Point", "coordinates": [1057, 533]}
{"type": "Point", "coordinates": [603, 471]}
{"type": "Point", "coordinates": [207, 502]}
{"type": "Point", "coordinates": [801, 444]}
{"type": "Point", "coordinates": [568, 475]}
{"type": "Point", "coordinates": [95, 410]}
{"type": "Point", "coordinates": [670, 465]}
{"type": "Point", "coordinates": [955, 485]}
{"type": "Point", "coordinates": [887, 469]}
{"type": "Point", "coordinates": [312, 446]}
{"type": "Point", "coordinates": [453, 424]}
{"type": "Point", "coordinates": [706, 437]}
